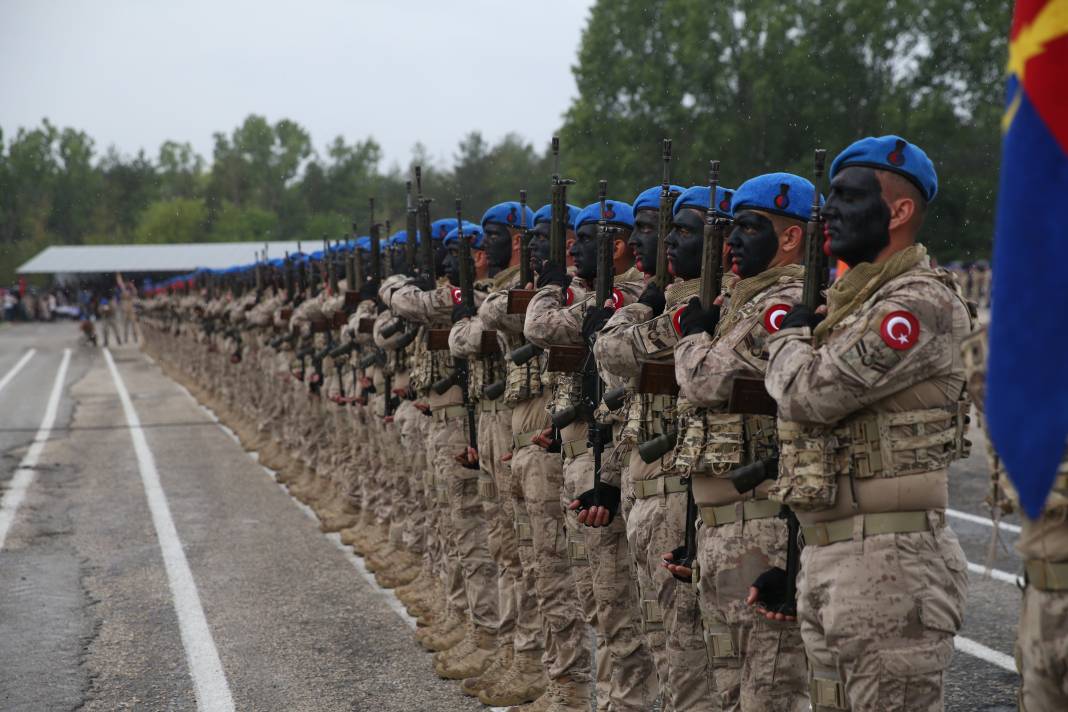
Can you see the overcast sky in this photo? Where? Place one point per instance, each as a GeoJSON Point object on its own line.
{"type": "Point", "coordinates": [134, 73]}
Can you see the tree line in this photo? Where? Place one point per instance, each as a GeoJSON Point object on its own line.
{"type": "Point", "coordinates": [756, 84]}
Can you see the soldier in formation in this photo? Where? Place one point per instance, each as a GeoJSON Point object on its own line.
{"type": "Point", "coordinates": [579, 444]}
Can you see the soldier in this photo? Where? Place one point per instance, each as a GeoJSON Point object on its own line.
{"type": "Point", "coordinates": [757, 664]}
{"type": "Point", "coordinates": [554, 319]}
{"type": "Point", "coordinates": [871, 407]}
{"type": "Point", "coordinates": [1042, 635]}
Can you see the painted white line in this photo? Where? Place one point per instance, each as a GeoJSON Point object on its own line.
{"type": "Point", "coordinates": [24, 473]}
{"type": "Point", "coordinates": [18, 367]}
{"type": "Point", "coordinates": [209, 679]}
{"type": "Point", "coordinates": [985, 521]}
{"type": "Point", "coordinates": [978, 650]}
{"type": "Point", "coordinates": [996, 574]}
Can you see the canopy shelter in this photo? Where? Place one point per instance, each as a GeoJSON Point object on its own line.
{"type": "Point", "coordinates": [76, 260]}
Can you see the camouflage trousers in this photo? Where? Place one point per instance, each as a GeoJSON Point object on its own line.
{"type": "Point", "coordinates": [448, 439]}
{"type": "Point", "coordinates": [655, 526]}
{"type": "Point", "coordinates": [878, 616]}
{"type": "Point", "coordinates": [603, 571]}
{"type": "Point", "coordinates": [757, 664]}
{"type": "Point", "coordinates": [413, 426]}
{"type": "Point", "coordinates": [566, 646]}
{"type": "Point", "coordinates": [495, 440]}
{"type": "Point", "coordinates": [1042, 650]}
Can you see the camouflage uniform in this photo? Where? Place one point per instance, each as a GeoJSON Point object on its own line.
{"type": "Point", "coordinates": [757, 664]}
{"type": "Point", "coordinates": [870, 415]}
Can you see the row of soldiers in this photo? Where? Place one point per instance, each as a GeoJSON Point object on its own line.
{"type": "Point", "coordinates": [637, 420]}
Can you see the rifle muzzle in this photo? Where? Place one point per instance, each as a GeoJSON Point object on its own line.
{"type": "Point", "coordinates": [493, 391]}
{"type": "Point", "coordinates": [444, 384]}
{"type": "Point", "coordinates": [652, 450]}
{"type": "Point", "coordinates": [613, 399]}
{"type": "Point", "coordinates": [566, 416]}
{"type": "Point", "coordinates": [407, 338]}
{"type": "Point", "coordinates": [369, 360]}
{"type": "Point", "coordinates": [748, 477]}
{"type": "Point", "coordinates": [524, 353]}
{"type": "Point", "coordinates": [306, 352]}
{"type": "Point", "coordinates": [392, 328]}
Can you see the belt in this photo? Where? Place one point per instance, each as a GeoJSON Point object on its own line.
{"type": "Point", "coordinates": [493, 406]}
{"type": "Point", "coordinates": [838, 530]}
{"type": "Point", "coordinates": [522, 440]}
{"type": "Point", "coordinates": [744, 511]}
{"type": "Point", "coordinates": [659, 486]}
{"type": "Point", "coordinates": [448, 413]}
{"type": "Point", "coordinates": [1047, 575]}
{"type": "Point", "coordinates": [574, 448]}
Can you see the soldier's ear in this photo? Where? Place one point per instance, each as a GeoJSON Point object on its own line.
{"type": "Point", "coordinates": [792, 238]}
{"type": "Point", "coordinates": [902, 210]}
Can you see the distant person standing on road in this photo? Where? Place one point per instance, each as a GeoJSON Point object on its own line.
{"type": "Point", "coordinates": [128, 294]}
{"type": "Point", "coordinates": [106, 314]}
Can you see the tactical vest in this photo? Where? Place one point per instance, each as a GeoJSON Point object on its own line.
{"type": "Point", "coordinates": [421, 366]}
{"type": "Point", "coordinates": [868, 443]}
{"type": "Point", "coordinates": [522, 383]}
{"type": "Point", "coordinates": [714, 444]}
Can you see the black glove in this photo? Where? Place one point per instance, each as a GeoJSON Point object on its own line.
{"type": "Point", "coordinates": [461, 311]}
{"type": "Point", "coordinates": [801, 315]}
{"type": "Point", "coordinates": [608, 497]}
{"type": "Point", "coordinates": [771, 588]}
{"type": "Point", "coordinates": [369, 290]}
{"type": "Point", "coordinates": [553, 273]}
{"type": "Point", "coordinates": [653, 297]}
{"type": "Point", "coordinates": [678, 556]}
{"type": "Point", "coordinates": [695, 318]}
{"type": "Point", "coordinates": [594, 321]}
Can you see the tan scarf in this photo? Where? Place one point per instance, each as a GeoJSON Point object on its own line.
{"type": "Point", "coordinates": [857, 285]}
{"type": "Point", "coordinates": [746, 289]}
{"type": "Point", "coordinates": [502, 278]}
{"type": "Point", "coordinates": [680, 292]}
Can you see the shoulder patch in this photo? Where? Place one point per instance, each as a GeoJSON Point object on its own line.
{"type": "Point", "coordinates": [900, 330]}
{"type": "Point", "coordinates": [457, 296]}
{"type": "Point", "coordinates": [569, 297]}
{"type": "Point", "coordinates": [773, 317]}
{"type": "Point", "coordinates": [676, 319]}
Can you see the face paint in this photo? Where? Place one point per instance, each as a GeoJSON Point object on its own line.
{"type": "Point", "coordinates": [539, 250]}
{"type": "Point", "coordinates": [584, 252]}
{"type": "Point", "coordinates": [856, 224]}
{"type": "Point", "coordinates": [685, 243]}
{"type": "Point", "coordinates": [642, 242]}
{"type": "Point", "coordinates": [396, 261]}
{"type": "Point", "coordinates": [440, 252]}
{"type": "Point", "coordinates": [753, 243]}
{"type": "Point", "coordinates": [498, 246]}
{"type": "Point", "coordinates": [452, 265]}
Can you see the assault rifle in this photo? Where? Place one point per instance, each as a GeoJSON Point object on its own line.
{"type": "Point", "coordinates": [467, 298]}
{"type": "Point", "coordinates": [664, 213]}
{"type": "Point", "coordinates": [426, 246]}
{"type": "Point", "coordinates": [412, 227]}
{"type": "Point", "coordinates": [591, 377]}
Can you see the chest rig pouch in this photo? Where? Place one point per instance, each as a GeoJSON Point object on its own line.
{"type": "Point", "coordinates": [715, 444]}
{"type": "Point", "coordinates": [420, 374]}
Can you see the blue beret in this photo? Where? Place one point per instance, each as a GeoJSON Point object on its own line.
{"type": "Point", "coordinates": [545, 214]}
{"type": "Point", "coordinates": [616, 213]}
{"type": "Point", "coordinates": [471, 231]}
{"type": "Point", "coordinates": [440, 228]}
{"type": "Point", "coordinates": [894, 154]}
{"type": "Point", "coordinates": [507, 213]}
{"type": "Point", "coordinates": [649, 199]}
{"type": "Point", "coordinates": [398, 238]}
{"type": "Point", "coordinates": [697, 197]}
{"type": "Point", "coordinates": [363, 243]}
{"type": "Point", "coordinates": [778, 193]}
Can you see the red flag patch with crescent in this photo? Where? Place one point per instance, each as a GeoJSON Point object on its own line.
{"type": "Point", "coordinates": [457, 296]}
{"type": "Point", "coordinates": [900, 330]}
{"type": "Point", "coordinates": [773, 317]}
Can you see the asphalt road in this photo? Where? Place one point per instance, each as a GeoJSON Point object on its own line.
{"type": "Point", "coordinates": [161, 568]}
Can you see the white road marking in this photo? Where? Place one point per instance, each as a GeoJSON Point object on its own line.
{"type": "Point", "coordinates": [996, 574]}
{"type": "Point", "coordinates": [985, 521]}
{"type": "Point", "coordinates": [978, 650]}
{"type": "Point", "coordinates": [205, 667]}
{"type": "Point", "coordinates": [24, 473]}
{"type": "Point", "coordinates": [18, 367]}
{"type": "Point", "coordinates": [965, 645]}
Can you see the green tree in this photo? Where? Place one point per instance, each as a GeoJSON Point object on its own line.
{"type": "Point", "coordinates": [172, 221]}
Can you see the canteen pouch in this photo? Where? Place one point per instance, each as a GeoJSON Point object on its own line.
{"type": "Point", "coordinates": [808, 476]}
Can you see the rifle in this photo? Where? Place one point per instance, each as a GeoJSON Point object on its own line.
{"type": "Point", "coordinates": [467, 298]}
{"type": "Point", "coordinates": [376, 248]}
{"type": "Point", "coordinates": [591, 377]}
{"type": "Point", "coordinates": [519, 298]}
{"type": "Point", "coordinates": [558, 224]}
{"type": "Point", "coordinates": [426, 246]}
{"type": "Point", "coordinates": [412, 227]}
{"type": "Point", "coordinates": [331, 268]}
{"type": "Point", "coordinates": [664, 220]}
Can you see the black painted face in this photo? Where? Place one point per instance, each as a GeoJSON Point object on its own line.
{"type": "Point", "coordinates": [397, 264]}
{"type": "Point", "coordinates": [452, 264]}
{"type": "Point", "coordinates": [685, 242]}
{"type": "Point", "coordinates": [753, 244]}
{"type": "Point", "coordinates": [539, 248]}
{"type": "Point", "coordinates": [857, 219]}
{"type": "Point", "coordinates": [642, 242]}
{"type": "Point", "coordinates": [584, 252]}
{"type": "Point", "coordinates": [498, 246]}
{"type": "Point", "coordinates": [440, 252]}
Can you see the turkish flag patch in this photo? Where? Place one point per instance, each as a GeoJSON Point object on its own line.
{"type": "Point", "coordinates": [676, 320]}
{"type": "Point", "coordinates": [773, 317]}
{"type": "Point", "coordinates": [900, 330]}
{"type": "Point", "coordinates": [457, 296]}
{"type": "Point", "coordinates": [617, 298]}
{"type": "Point", "coordinates": [569, 297]}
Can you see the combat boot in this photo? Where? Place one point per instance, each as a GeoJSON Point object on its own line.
{"type": "Point", "coordinates": [524, 682]}
{"type": "Point", "coordinates": [467, 659]}
{"type": "Point", "coordinates": [414, 589]}
{"type": "Point", "coordinates": [443, 635]}
{"type": "Point", "coordinates": [398, 574]}
{"type": "Point", "coordinates": [341, 515]}
{"type": "Point", "coordinates": [498, 667]}
{"type": "Point", "coordinates": [541, 704]}
{"type": "Point", "coordinates": [570, 696]}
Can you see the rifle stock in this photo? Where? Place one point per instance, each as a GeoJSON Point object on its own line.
{"type": "Point", "coordinates": [664, 220]}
